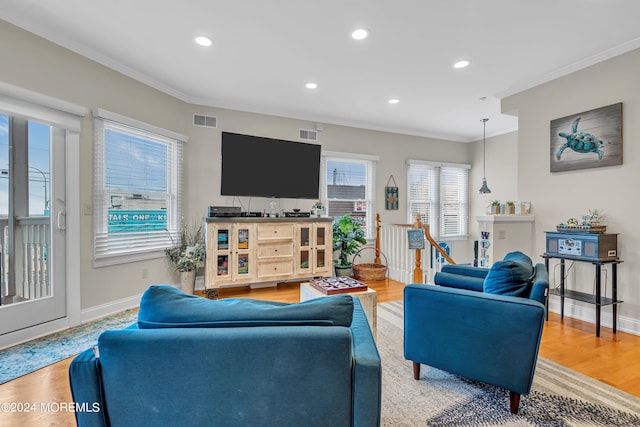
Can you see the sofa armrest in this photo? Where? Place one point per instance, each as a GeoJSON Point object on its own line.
{"type": "Point", "coordinates": [461, 277]}
{"type": "Point", "coordinates": [86, 390]}
{"type": "Point", "coordinates": [490, 338]}
{"type": "Point", "coordinates": [367, 371]}
{"type": "Point", "coordinates": [466, 270]}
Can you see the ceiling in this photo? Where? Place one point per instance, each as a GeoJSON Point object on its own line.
{"type": "Point", "coordinates": [265, 51]}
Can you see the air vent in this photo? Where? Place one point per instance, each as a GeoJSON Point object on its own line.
{"type": "Point", "coordinates": [205, 121]}
{"type": "Point", "coordinates": [308, 135]}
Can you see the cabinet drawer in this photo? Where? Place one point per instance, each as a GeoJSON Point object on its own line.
{"type": "Point", "coordinates": [278, 268]}
{"type": "Point", "coordinates": [275, 250]}
{"type": "Point", "coordinates": [275, 231]}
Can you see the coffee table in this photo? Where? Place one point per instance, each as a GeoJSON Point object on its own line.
{"type": "Point", "coordinates": [368, 299]}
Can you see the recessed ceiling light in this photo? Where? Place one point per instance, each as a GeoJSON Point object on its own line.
{"type": "Point", "coordinates": [393, 101]}
{"type": "Point", "coordinates": [462, 64]}
{"type": "Point", "coordinates": [311, 85]}
{"type": "Point", "coordinates": [360, 34]}
{"type": "Point", "coordinates": [203, 41]}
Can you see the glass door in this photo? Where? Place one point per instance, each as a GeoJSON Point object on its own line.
{"type": "Point", "coordinates": [32, 224]}
{"type": "Point", "coordinates": [304, 253]}
{"type": "Point", "coordinates": [243, 253]}
{"type": "Point", "coordinates": [322, 265]}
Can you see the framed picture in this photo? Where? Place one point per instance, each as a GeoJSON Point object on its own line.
{"type": "Point", "coordinates": [590, 139]}
{"type": "Point", "coordinates": [416, 238]}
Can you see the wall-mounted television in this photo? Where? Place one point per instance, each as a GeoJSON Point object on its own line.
{"type": "Point", "coordinates": [265, 167]}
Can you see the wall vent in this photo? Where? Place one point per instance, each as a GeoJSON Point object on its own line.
{"type": "Point", "coordinates": [308, 135]}
{"type": "Point", "coordinates": [205, 121]}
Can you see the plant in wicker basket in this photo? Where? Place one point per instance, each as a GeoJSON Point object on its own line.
{"type": "Point", "coordinates": [348, 236]}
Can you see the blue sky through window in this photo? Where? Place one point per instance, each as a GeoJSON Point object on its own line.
{"type": "Point", "coordinates": [134, 164]}
{"type": "Point", "coordinates": [39, 170]}
{"type": "Point", "coordinates": [346, 173]}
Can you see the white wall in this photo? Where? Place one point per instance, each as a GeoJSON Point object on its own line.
{"type": "Point", "coordinates": [558, 196]}
{"type": "Point", "coordinates": [501, 174]}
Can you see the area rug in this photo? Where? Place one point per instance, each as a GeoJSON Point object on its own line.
{"type": "Point", "coordinates": [25, 358]}
{"type": "Point", "coordinates": [559, 397]}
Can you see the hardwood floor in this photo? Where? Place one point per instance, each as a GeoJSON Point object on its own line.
{"type": "Point", "coordinates": [612, 358]}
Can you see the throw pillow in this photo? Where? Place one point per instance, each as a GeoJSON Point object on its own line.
{"type": "Point", "coordinates": [510, 276]}
{"type": "Point", "coordinates": [163, 306]}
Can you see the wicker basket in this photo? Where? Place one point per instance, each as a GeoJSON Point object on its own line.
{"type": "Point", "coordinates": [369, 271]}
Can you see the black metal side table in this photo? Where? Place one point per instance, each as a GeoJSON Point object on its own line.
{"type": "Point", "coordinates": [598, 300]}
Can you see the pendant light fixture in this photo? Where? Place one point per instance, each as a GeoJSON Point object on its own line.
{"type": "Point", "coordinates": [484, 189]}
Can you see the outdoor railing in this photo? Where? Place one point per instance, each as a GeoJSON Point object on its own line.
{"type": "Point", "coordinates": [31, 242]}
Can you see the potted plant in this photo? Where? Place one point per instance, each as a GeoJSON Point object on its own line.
{"type": "Point", "coordinates": [510, 207]}
{"type": "Point", "coordinates": [494, 207]}
{"type": "Point", "coordinates": [188, 255]}
{"type": "Point", "coordinates": [348, 236]}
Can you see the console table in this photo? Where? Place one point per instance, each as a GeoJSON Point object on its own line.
{"type": "Point", "coordinates": [598, 300]}
{"type": "Point", "coordinates": [248, 251]}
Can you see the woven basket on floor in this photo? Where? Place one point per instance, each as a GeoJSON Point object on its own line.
{"type": "Point", "coordinates": [369, 271]}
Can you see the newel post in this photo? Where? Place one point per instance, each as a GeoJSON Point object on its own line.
{"type": "Point", "coordinates": [418, 275]}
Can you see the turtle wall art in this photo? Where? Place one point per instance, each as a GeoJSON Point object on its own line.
{"type": "Point", "coordinates": [589, 139]}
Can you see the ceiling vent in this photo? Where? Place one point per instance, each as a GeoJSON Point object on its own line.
{"type": "Point", "coordinates": [205, 121]}
{"type": "Point", "coordinates": [308, 135]}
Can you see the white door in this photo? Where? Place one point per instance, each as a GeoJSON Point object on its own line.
{"type": "Point", "coordinates": [32, 223]}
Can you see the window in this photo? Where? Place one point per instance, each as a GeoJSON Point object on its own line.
{"type": "Point", "coordinates": [439, 193]}
{"type": "Point", "coordinates": [137, 189]}
{"type": "Point", "coordinates": [347, 186]}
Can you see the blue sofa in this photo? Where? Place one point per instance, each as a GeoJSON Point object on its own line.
{"type": "Point", "coordinates": [481, 324]}
{"type": "Point", "coordinates": [190, 361]}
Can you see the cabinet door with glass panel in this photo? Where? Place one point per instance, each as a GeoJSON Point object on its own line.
{"type": "Point", "coordinates": [313, 256]}
{"type": "Point", "coordinates": [231, 250]}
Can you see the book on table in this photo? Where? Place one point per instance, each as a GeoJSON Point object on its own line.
{"type": "Point", "coordinates": [338, 285]}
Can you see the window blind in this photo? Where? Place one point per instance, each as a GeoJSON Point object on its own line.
{"type": "Point", "coordinates": [137, 191]}
{"type": "Point", "coordinates": [439, 193]}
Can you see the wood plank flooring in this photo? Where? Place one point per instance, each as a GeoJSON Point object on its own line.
{"type": "Point", "coordinates": [612, 358]}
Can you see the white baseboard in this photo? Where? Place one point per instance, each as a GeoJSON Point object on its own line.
{"type": "Point", "coordinates": [87, 315]}
{"type": "Point", "coordinates": [110, 308]}
{"type": "Point", "coordinates": [587, 313]}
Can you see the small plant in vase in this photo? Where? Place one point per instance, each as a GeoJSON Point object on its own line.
{"type": "Point", "coordinates": [494, 207]}
{"type": "Point", "coordinates": [348, 236]}
{"type": "Point", "coordinates": [188, 255]}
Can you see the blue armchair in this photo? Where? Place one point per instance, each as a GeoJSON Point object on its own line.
{"type": "Point", "coordinates": [190, 361]}
{"type": "Point", "coordinates": [481, 324]}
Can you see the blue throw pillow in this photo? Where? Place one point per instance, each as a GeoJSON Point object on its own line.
{"type": "Point", "coordinates": [510, 276]}
{"type": "Point", "coordinates": [163, 306]}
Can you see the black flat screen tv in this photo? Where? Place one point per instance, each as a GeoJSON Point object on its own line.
{"type": "Point", "coordinates": [265, 167]}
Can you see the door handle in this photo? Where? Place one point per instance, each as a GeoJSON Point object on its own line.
{"type": "Point", "coordinates": [61, 220]}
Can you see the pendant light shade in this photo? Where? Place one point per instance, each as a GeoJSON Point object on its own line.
{"type": "Point", "coordinates": [485, 188]}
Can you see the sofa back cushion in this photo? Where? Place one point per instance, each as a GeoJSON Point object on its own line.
{"type": "Point", "coordinates": [163, 306]}
{"type": "Point", "coordinates": [510, 276]}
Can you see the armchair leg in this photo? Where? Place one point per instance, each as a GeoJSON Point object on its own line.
{"type": "Point", "coordinates": [416, 371]}
{"type": "Point", "coordinates": [514, 402]}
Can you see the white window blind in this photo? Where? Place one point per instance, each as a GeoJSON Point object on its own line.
{"type": "Point", "coordinates": [137, 189]}
{"type": "Point", "coordinates": [347, 186]}
{"type": "Point", "coordinates": [439, 193]}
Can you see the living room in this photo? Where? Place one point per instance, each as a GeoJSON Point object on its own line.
{"type": "Point", "coordinates": [517, 165]}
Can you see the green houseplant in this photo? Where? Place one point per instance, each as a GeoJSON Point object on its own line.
{"type": "Point", "coordinates": [188, 255]}
{"type": "Point", "coordinates": [348, 236]}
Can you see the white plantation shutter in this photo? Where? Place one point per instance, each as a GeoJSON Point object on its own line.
{"type": "Point", "coordinates": [439, 193]}
{"type": "Point", "coordinates": [423, 196]}
{"type": "Point", "coordinates": [454, 201]}
{"type": "Point", "coordinates": [137, 189]}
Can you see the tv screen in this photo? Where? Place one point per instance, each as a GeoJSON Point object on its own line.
{"type": "Point", "coordinates": [266, 167]}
